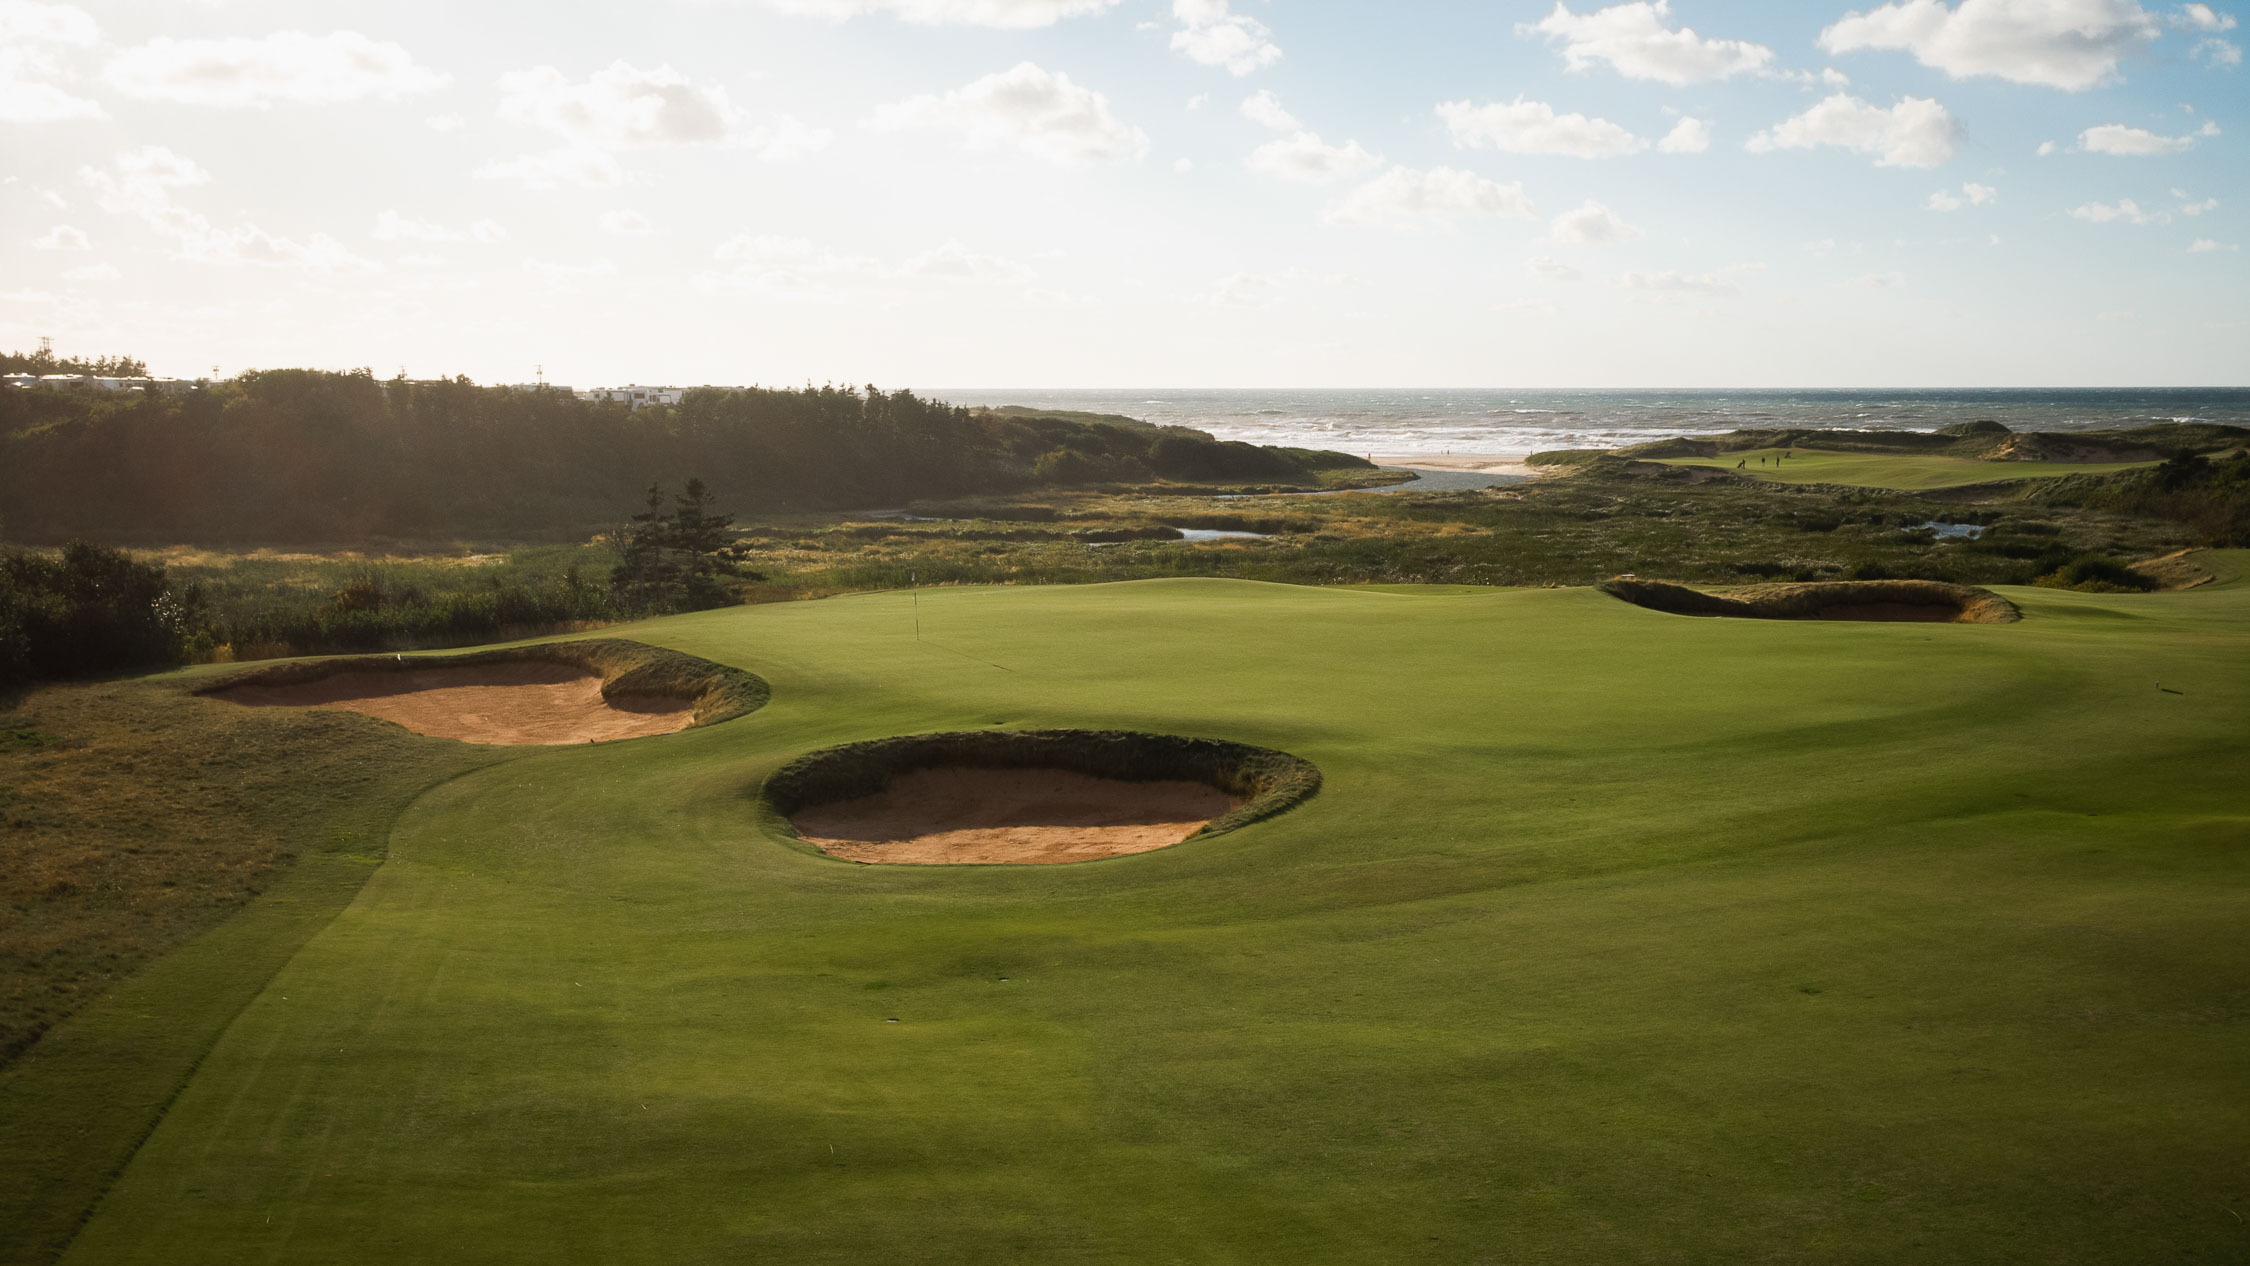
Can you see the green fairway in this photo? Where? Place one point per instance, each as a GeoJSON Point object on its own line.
{"type": "Point", "coordinates": [1890, 470]}
{"type": "Point", "coordinates": [1612, 936]}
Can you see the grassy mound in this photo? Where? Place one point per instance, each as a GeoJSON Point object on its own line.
{"type": "Point", "coordinates": [1268, 781]}
{"type": "Point", "coordinates": [626, 668]}
{"type": "Point", "coordinates": [1825, 600]}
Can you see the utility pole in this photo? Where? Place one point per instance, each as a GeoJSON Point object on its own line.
{"type": "Point", "coordinates": [914, 587]}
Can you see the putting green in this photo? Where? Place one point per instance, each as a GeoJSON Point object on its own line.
{"type": "Point", "coordinates": [1890, 470]}
{"type": "Point", "coordinates": [1612, 936]}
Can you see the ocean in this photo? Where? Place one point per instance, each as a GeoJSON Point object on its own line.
{"type": "Point", "coordinates": [1433, 421]}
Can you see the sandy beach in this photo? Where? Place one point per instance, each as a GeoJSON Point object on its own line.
{"type": "Point", "coordinates": [1467, 463]}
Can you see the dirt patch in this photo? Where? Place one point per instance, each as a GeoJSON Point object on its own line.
{"type": "Point", "coordinates": [552, 693]}
{"type": "Point", "coordinates": [1908, 601]}
{"type": "Point", "coordinates": [510, 705]}
{"type": "Point", "coordinates": [1025, 817]}
{"type": "Point", "coordinates": [1030, 797]}
{"type": "Point", "coordinates": [2177, 570]}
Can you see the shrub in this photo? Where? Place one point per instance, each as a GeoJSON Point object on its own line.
{"type": "Point", "coordinates": [90, 610]}
{"type": "Point", "coordinates": [2097, 573]}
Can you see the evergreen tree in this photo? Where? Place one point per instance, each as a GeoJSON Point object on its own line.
{"type": "Point", "coordinates": [644, 578]}
{"type": "Point", "coordinates": [705, 544]}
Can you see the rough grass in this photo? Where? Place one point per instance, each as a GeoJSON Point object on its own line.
{"type": "Point", "coordinates": [719, 692]}
{"type": "Point", "coordinates": [1962, 604]}
{"type": "Point", "coordinates": [1267, 781]}
{"type": "Point", "coordinates": [136, 824]}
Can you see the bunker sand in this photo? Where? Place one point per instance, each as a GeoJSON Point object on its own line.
{"type": "Point", "coordinates": [510, 704]}
{"type": "Point", "coordinates": [1025, 817]}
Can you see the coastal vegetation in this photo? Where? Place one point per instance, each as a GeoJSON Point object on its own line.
{"type": "Point", "coordinates": [302, 457]}
{"type": "Point", "coordinates": [1745, 1004]}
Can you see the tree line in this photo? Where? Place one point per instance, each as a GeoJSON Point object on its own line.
{"type": "Point", "coordinates": [312, 457]}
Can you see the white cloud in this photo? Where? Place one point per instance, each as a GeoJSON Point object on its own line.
{"type": "Point", "coordinates": [565, 278]}
{"type": "Point", "coordinates": [626, 224]}
{"type": "Point", "coordinates": [1404, 194]}
{"type": "Point", "coordinates": [1039, 112]}
{"type": "Point", "coordinates": [2202, 17]}
{"type": "Point", "coordinates": [2045, 148]}
{"type": "Point", "coordinates": [25, 99]}
{"type": "Point", "coordinates": [1590, 225]}
{"type": "Point", "coordinates": [2218, 52]}
{"type": "Point", "coordinates": [1004, 14]}
{"type": "Point", "coordinates": [32, 69]}
{"type": "Point", "coordinates": [1549, 269]}
{"type": "Point", "coordinates": [1877, 281]}
{"type": "Point", "coordinates": [1265, 290]}
{"type": "Point", "coordinates": [1638, 41]}
{"type": "Point", "coordinates": [390, 226]}
{"type": "Point", "coordinates": [1533, 127]}
{"type": "Point", "coordinates": [1971, 195]}
{"type": "Point", "coordinates": [1688, 136]}
{"type": "Point", "coordinates": [1303, 156]}
{"type": "Point", "coordinates": [29, 22]}
{"type": "Point", "coordinates": [141, 184]}
{"type": "Point", "coordinates": [1212, 35]}
{"type": "Point", "coordinates": [287, 66]}
{"type": "Point", "coordinates": [445, 123]}
{"type": "Point", "coordinates": [1183, 165]}
{"type": "Point", "coordinates": [2205, 246]}
{"type": "Point", "coordinates": [92, 272]}
{"type": "Point", "coordinates": [2067, 44]}
{"type": "Point", "coordinates": [786, 268]}
{"type": "Point", "coordinates": [2133, 142]}
{"type": "Point", "coordinates": [2190, 207]}
{"type": "Point", "coordinates": [622, 106]}
{"type": "Point", "coordinates": [62, 237]}
{"type": "Point", "coordinates": [956, 262]}
{"type": "Point", "coordinates": [1669, 282]}
{"type": "Point", "coordinates": [1917, 132]}
{"type": "Point", "coordinates": [1264, 109]}
{"type": "Point", "coordinates": [556, 169]}
{"type": "Point", "coordinates": [2123, 210]}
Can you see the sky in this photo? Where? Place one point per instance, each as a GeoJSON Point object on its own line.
{"type": "Point", "coordinates": [1134, 193]}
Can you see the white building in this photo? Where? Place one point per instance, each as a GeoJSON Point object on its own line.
{"type": "Point", "coordinates": [636, 397]}
{"type": "Point", "coordinates": [97, 382]}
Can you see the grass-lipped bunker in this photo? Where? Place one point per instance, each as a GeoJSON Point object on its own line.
{"type": "Point", "coordinates": [555, 693]}
{"type": "Point", "coordinates": [1030, 797]}
{"type": "Point", "coordinates": [1910, 601]}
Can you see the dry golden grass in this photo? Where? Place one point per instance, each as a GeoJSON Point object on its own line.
{"type": "Point", "coordinates": [133, 817]}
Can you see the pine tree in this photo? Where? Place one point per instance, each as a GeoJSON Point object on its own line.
{"type": "Point", "coordinates": [644, 578]}
{"type": "Point", "coordinates": [705, 543]}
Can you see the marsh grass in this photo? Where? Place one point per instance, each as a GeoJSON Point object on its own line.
{"type": "Point", "coordinates": [1600, 521]}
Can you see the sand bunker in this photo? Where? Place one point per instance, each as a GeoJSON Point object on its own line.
{"type": "Point", "coordinates": [511, 704]}
{"type": "Point", "coordinates": [1030, 797]}
{"type": "Point", "coordinates": [1024, 816]}
{"type": "Point", "coordinates": [1911, 601]}
{"type": "Point", "coordinates": [551, 693]}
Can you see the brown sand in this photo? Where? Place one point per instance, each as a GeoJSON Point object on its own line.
{"type": "Point", "coordinates": [1468, 463]}
{"type": "Point", "coordinates": [1025, 817]}
{"type": "Point", "coordinates": [511, 704]}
